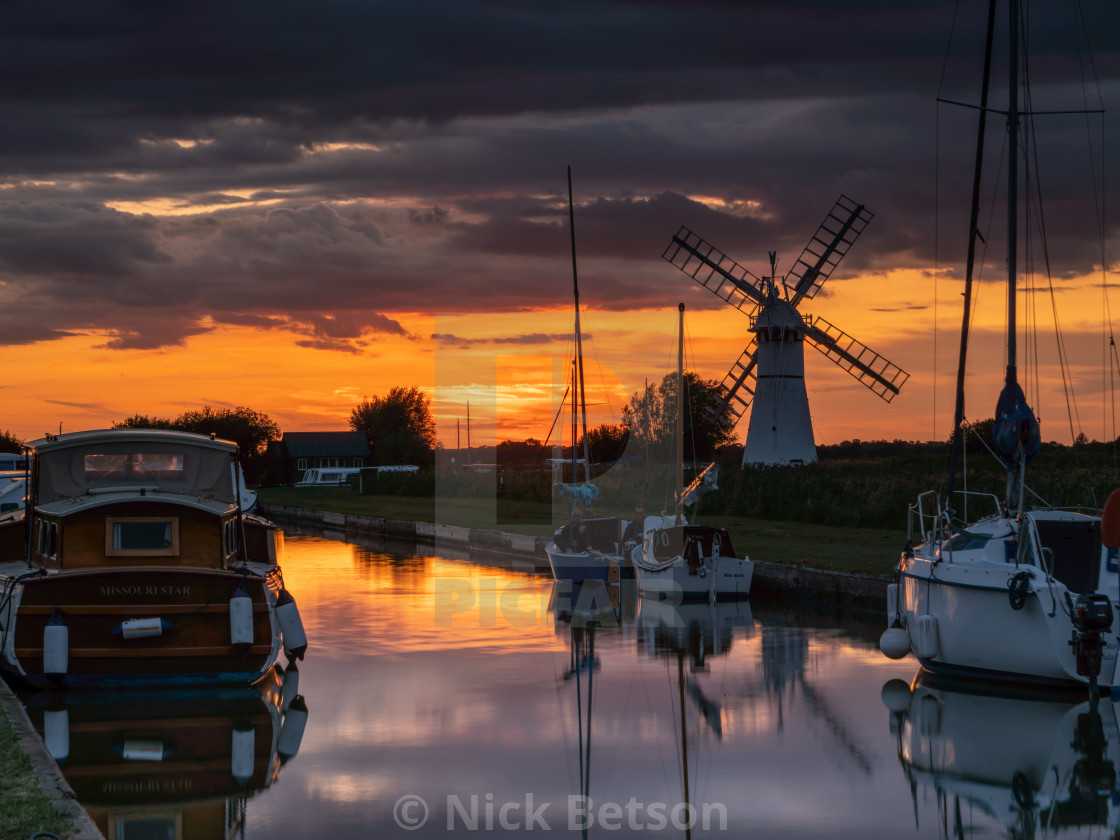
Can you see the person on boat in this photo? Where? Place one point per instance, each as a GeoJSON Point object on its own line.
{"type": "Point", "coordinates": [573, 536]}
{"type": "Point", "coordinates": [635, 529]}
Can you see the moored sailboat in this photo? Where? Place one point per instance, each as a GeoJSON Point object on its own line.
{"type": "Point", "coordinates": [1022, 594]}
{"type": "Point", "coordinates": [680, 561]}
{"type": "Point", "coordinates": [589, 549]}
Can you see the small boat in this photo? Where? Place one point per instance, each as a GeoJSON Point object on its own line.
{"type": "Point", "coordinates": [134, 564]}
{"type": "Point", "coordinates": [680, 561]}
{"type": "Point", "coordinates": [600, 562]}
{"type": "Point", "coordinates": [1022, 594]}
{"type": "Point", "coordinates": [598, 557]}
{"type": "Point", "coordinates": [13, 489]}
{"type": "Point", "coordinates": [328, 476]}
{"type": "Point", "coordinates": [1022, 763]}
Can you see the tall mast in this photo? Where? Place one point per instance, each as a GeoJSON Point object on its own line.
{"type": "Point", "coordinates": [973, 228]}
{"type": "Point", "coordinates": [1012, 183]}
{"type": "Point", "coordinates": [579, 337]}
{"type": "Point", "coordinates": [680, 410]}
{"type": "Point", "coordinates": [575, 431]}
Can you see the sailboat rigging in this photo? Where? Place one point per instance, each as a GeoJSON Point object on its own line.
{"type": "Point", "coordinates": [585, 548]}
{"type": "Point", "coordinates": [678, 560]}
{"type": "Point", "coordinates": [1023, 595]}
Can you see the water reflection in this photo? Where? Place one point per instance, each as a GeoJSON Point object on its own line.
{"type": "Point", "coordinates": [172, 764]}
{"type": "Point", "coordinates": [1025, 764]}
{"type": "Point", "coordinates": [474, 686]}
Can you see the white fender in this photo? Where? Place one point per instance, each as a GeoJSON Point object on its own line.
{"type": "Point", "coordinates": [141, 628]}
{"type": "Point", "coordinates": [926, 647]}
{"type": "Point", "coordinates": [892, 603]}
{"type": "Point", "coordinates": [241, 620]}
{"type": "Point", "coordinates": [291, 733]}
{"type": "Point", "coordinates": [137, 749]}
{"type": "Point", "coordinates": [291, 626]}
{"type": "Point", "coordinates": [290, 686]}
{"type": "Point", "coordinates": [56, 734]}
{"type": "Point", "coordinates": [56, 648]}
{"type": "Point", "coordinates": [894, 643]}
{"type": "Point", "coordinates": [244, 747]}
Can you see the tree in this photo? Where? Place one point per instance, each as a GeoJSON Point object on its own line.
{"type": "Point", "coordinates": [651, 417]}
{"type": "Point", "coordinates": [398, 426]}
{"type": "Point", "coordinates": [606, 442]}
{"type": "Point", "coordinates": [252, 431]}
{"type": "Point", "coordinates": [143, 421]}
{"type": "Point", "coordinates": [9, 443]}
{"type": "Point", "coordinates": [521, 452]}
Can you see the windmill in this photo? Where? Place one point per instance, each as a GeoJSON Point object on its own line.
{"type": "Point", "coordinates": [771, 370]}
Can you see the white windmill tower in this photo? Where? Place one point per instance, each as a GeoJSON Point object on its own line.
{"type": "Point", "coordinates": [771, 370]}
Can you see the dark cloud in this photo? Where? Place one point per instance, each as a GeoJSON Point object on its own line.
{"type": "Point", "coordinates": [168, 167]}
{"type": "Point", "coordinates": [528, 339]}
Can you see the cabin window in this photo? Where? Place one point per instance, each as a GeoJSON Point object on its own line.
{"type": "Point", "coordinates": [145, 827]}
{"type": "Point", "coordinates": [231, 538]}
{"type": "Point", "coordinates": [965, 541]}
{"type": "Point", "coordinates": [133, 465]}
{"type": "Point", "coordinates": [141, 536]}
{"type": "Point", "coordinates": [52, 540]}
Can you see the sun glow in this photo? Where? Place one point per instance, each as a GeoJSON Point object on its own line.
{"type": "Point", "coordinates": [513, 367]}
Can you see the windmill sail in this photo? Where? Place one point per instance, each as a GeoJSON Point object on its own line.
{"type": "Point", "coordinates": [840, 228]}
{"type": "Point", "coordinates": [737, 388]}
{"type": "Point", "coordinates": [714, 270]}
{"type": "Point", "coordinates": [881, 376]}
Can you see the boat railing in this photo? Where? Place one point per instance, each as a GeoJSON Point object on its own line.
{"type": "Point", "coordinates": [1033, 553]}
{"type": "Point", "coordinates": [968, 495]}
{"type": "Point", "coordinates": [927, 518]}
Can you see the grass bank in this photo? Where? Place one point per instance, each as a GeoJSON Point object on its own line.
{"type": "Point", "coordinates": [24, 807]}
{"type": "Point", "coordinates": [850, 549]}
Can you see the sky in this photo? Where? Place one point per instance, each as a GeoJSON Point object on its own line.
{"type": "Point", "coordinates": [294, 206]}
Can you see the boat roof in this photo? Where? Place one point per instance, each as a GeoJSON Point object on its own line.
{"type": "Point", "coordinates": [76, 439]}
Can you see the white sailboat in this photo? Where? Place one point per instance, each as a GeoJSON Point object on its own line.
{"type": "Point", "coordinates": [1023, 595]}
{"type": "Point", "coordinates": [680, 561]}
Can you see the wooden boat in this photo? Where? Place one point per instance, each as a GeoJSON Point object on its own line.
{"type": "Point", "coordinates": [133, 563]}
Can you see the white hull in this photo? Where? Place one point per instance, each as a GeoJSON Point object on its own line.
{"type": "Point", "coordinates": [725, 577]}
{"type": "Point", "coordinates": [580, 566]}
{"type": "Point", "coordinates": [710, 572]}
{"type": "Point", "coordinates": [971, 628]}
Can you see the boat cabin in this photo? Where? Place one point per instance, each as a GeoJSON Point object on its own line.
{"type": "Point", "coordinates": [135, 497]}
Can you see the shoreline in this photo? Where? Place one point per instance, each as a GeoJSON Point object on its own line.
{"type": "Point", "coordinates": [526, 553]}
{"type": "Point", "coordinates": [46, 769]}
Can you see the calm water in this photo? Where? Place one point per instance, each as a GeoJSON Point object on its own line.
{"type": "Point", "coordinates": [441, 691]}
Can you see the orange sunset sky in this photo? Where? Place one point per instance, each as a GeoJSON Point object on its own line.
{"type": "Point", "coordinates": [514, 392]}
{"type": "Point", "coordinates": [316, 208]}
